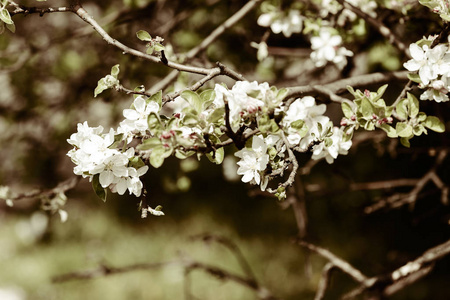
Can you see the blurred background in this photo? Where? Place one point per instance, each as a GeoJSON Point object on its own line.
{"type": "Point", "coordinates": [49, 70]}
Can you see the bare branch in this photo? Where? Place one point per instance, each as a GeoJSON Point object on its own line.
{"type": "Point", "coordinates": [39, 193]}
{"type": "Point", "coordinates": [405, 275]}
{"type": "Point", "coordinates": [379, 26]}
{"type": "Point", "coordinates": [340, 86]}
{"type": "Point", "coordinates": [337, 261]}
{"type": "Point", "coordinates": [324, 281]}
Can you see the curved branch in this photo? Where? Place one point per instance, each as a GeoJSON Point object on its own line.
{"type": "Point", "coordinates": [340, 86]}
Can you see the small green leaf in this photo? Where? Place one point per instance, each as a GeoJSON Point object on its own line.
{"type": "Point", "coordinates": [154, 123]}
{"type": "Point", "coordinates": [404, 129]}
{"type": "Point", "coordinates": [101, 86]}
{"type": "Point", "coordinates": [156, 97]}
{"type": "Point", "coordinates": [347, 110]}
{"type": "Point", "coordinates": [419, 129]}
{"type": "Point", "coordinates": [149, 50]}
{"type": "Point", "coordinates": [190, 120]}
{"type": "Point", "coordinates": [405, 142]}
{"type": "Point", "coordinates": [115, 71]}
{"type": "Point", "coordinates": [391, 132]}
{"type": "Point", "coordinates": [413, 105]}
{"type": "Point", "coordinates": [136, 162]}
{"type": "Point", "coordinates": [381, 90]}
{"type": "Point", "coordinates": [366, 108]}
{"type": "Point", "coordinates": [158, 155]}
{"type": "Point", "coordinates": [149, 144]}
{"type": "Point", "coordinates": [216, 115]}
{"type": "Point", "coordinates": [434, 124]}
{"type": "Point", "coordinates": [301, 127]}
{"type": "Point", "coordinates": [98, 189]}
{"type": "Point", "coordinates": [282, 93]}
{"type": "Point", "coordinates": [144, 36]}
{"type": "Point", "coordinates": [414, 77]}
{"type": "Point", "coordinates": [217, 156]}
{"type": "Point", "coordinates": [5, 16]}
{"type": "Point", "coordinates": [193, 99]}
{"type": "Point", "coordinates": [207, 97]}
{"type": "Point", "coordinates": [401, 109]}
{"type": "Point", "coordinates": [158, 47]}
{"type": "Point", "coordinates": [11, 27]}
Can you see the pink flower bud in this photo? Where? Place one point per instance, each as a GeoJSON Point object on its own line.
{"type": "Point", "coordinates": [374, 116]}
{"type": "Point", "coordinates": [177, 115]}
{"type": "Point", "coordinates": [367, 93]}
{"type": "Point", "coordinates": [353, 118]}
{"type": "Point", "coordinates": [344, 122]}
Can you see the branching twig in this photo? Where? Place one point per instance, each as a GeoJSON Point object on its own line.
{"type": "Point", "coordinates": [410, 198]}
{"type": "Point", "coordinates": [324, 281]}
{"type": "Point", "coordinates": [232, 247]}
{"type": "Point", "coordinates": [403, 276]}
{"type": "Point", "coordinates": [39, 193]}
{"type": "Point", "coordinates": [379, 26]}
{"type": "Point", "coordinates": [292, 159]}
{"type": "Point", "coordinates": [340, 86]}
{"type": "Point", "coordinates": [337, 261]}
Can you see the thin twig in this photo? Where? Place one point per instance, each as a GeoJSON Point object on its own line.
{"type": "Point", "coordinates": [340, 86]}
{"type": "Point", "coordinates": [403, 276]}
{"type": "Point", "coordinates": [337, 261]}
{"type": "Point", "coordinates": [324, 281]}
{"type": "Point", "coordinates": [379, 26]}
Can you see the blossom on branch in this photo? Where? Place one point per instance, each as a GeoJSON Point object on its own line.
{"type": "Point", "coordinates": [327, 48]}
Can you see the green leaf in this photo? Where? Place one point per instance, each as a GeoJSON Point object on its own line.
{"type": "Point", "coordinates": [5, 16]}
{"type": "Point", "coordinates": [419, 129]}
{"type": "Point", "coordinates": [381, 90]}
{"type": "Point", "coordinates": [154, 124]}
{"type": "Point", "coordinates": [282, 93]}
{"type": "Point", "coordinates": [136, 162]}
{"type": "Point", "coordinates": [301, 127]}
{"type": "Point", "coordinates": [351, 90]}
{"type": "Point", "coordinates": [156, 97]}
{"type": "Point", "coordinates": [404, 129]}
{"type": "Point", "coordinates": [405, 142]}
{"type": "Point", "coordinates": [190, 120]}
{"type": "Point", "coordinates": [98, 189]}
{"type": "Point", "coordinates": [217, 156]}
{"type": "Point", "coordinates": [180, 154]}
{"type": "Point", "coordinates": [391, 132]}
{"type": "Point", "coordinates": [11, 27]}
{"type": "Point", "coordinates": [366, 108]}
{"type": "Point", "coordinates": [193, 99]}
{"type": "Point", "coordinates": [402, 109]}
{"type": "Point", "coordinates": [207, 97]}
{"type": "Point", "coordinates": [421, 117]}
{"type": "Point", "coordinates": [149, 50]}
{"type": "Point", "coordinates": [101, 86]}
{"type": "Point", "coordinates": [115, 71]}
{"type": "Point", "coordinates": [158, 155]}
{"type": "Point", "coordinates": [347, 110]}
{"type": "Point", "coordinates": [413, 105]}
{"type": "Point", "coordinates": [434, 124]}
{"type": "Point", "coordinates": [144, 36]}
{"type": "Point", "coordinates": [414, 77]}
{"type": "Point", "coordinates": [158, 47]}
{"type": "Point", "coordinates": [149, 144]}
{"type": "Point", "coordinates": [216, 115]}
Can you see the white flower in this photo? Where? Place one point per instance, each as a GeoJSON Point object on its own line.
{"type": "Point", "coordinates": [326, 48]}
{"type": "Point", "coordinates": [429, 62]}
{"type": "Point", "coordinates": [304, 109]}
{"type": "Point", "coordinates": [241, 99]}
{"type": "Point", "coordinates": [333, 146]}
{"type": "Point", "coordinates": [137, 117]}
{"type": "Point", "coordinates": [253, 161]}
{"type": "Point", "coordinates": [278, 22]}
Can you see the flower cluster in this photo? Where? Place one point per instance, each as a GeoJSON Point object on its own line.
{"type": "Point", "coordinates": [433, 67]}
{"type": "Point", "coordinates": [332, 7]}
{"type": "Point", "coordinates": [245, 100]}
{"type": "Point", "coordinates": [286, 22]}
{"type": "Point", "coordinates": [327, 48]}
{"type": "Point", "coordinates": [94, 155]}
